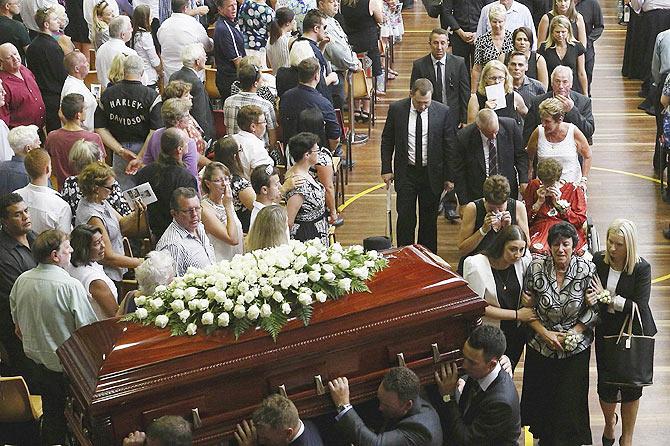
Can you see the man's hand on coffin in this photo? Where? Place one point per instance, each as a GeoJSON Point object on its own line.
{"type": "Point", "coordinates": [246, 434]}
{"type": "Point", "coordinates": [135, 439]}
{"type": "Point", "coordinates": [506, 365]}
{"type": "Point", "coordinates": [339, 391]}
{"type": "Point", "coordinates": [447, 378]}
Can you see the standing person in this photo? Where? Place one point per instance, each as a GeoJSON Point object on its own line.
{"type": "Point", "coordinates": [143, 43]}
{"type": "Point", "coordinates": [417, 132]}
{"type": "Point", "coordinates": [102, 15]}
{"type": "Point", "coordinates": [77, 67]}
{"type": "Point", "coordinates": [281, 28]}
{"type": "Point", "coordinates": [491, 45]}
{"type": "Point", "coordinates": [537, 66]}
{"type": "Point", "coordinates": [527, 87]}
{"type": "Point", "coordinates": [13, 31]}
{"type": "Point", "coordinates": [228, 46]}
{"type": "Point", "coordinates": [254, 19]}
{"type": "Point", "coordinates": [517, 14]}
{"type": "Point", "coordinates": [462, 17]}
{"type": "Point", "coordinates": [268, 188]}
{"type": "Point", "coordinates": [23, 100]}
{"type": "Point", "coordinates": [13, 173]}
{"type": "Point", "coordinates": [495, 72]}
{"type": "Point", "coordinates": [627, 277]}
{"type": "Point", "coordinates": [5, 149]}
{"type": "Point", "coordinates": [363, 19]}
{"type": "Point", "coordinates": [567, 9]}
{"type": "Point", "coordinates": [77, 28]}
{"type": "Point", "coordinates": [594, 24]}
{"type": "Point", "coordinates": [120, 32]}
{"type": "Point", "coordinates": [554, 402]}
{"type": "Point", "coordinates": [561, 48]}
{"type": "Point", "coordinates": [47, 307]}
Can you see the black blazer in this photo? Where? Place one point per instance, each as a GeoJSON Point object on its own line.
{"type": "Point", "coordinates": [635, 288]}
{"type": "Point", "coordinates": [469, 166]}
{"type": "Point", "coordinates": [493, 417]}
{"type": "Point", "coordinates": [580, 115]}
{"type": "Point", "coordinates": [441, 127]}
{"type": "Point", "coordinates": [457, 82]}
{"type": "Point", "coordinates": [309, 437]}
{"type": "Point", "coordinates": [201, 110]}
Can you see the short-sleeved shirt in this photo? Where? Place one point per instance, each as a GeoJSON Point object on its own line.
{"type": "Point", "coordinates": [23, 99]}
{"type": "Point", "coordinates": [72, 195]}
{"type": "Point", "coordinates": [486, 51]}
{"type": "Point", "coordinates": [14, 32]}
{"type": "Point", "coordinates": [15, 258]}
{"type": "Point", "coordinates": [47, 209]}
{"type": "Point", "coordinates": [74, 85]}
{"type": "Point", "coordinates": [185, 248]}
{"type": "Point", "coordinates": [234, 103]}
{"type": "Point", "coordinates": [87, 274]}
{"type": "Point", "coordinates": [190, 158]}
{"type": "Point", "coordinates": [254, 19]}
{"type": "Point", "coordinates": [58, 144]}
{"type": "Point", "coordinates": [228, 46]}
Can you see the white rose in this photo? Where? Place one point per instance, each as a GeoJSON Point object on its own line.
{"type": "Point", "coordinates": [266, 310]}
{"type": "Point", "coordinates": [230, 292]}
{"type": "Point", "coordinates": [286, 283]}
{"type": "Point", "coordinates": [177, 305]}
{"type": "Point", "coordinates": [369, 263]}
{"type": "Point", "coordinates": [253, 312]}
{"type": "Point", "coordinates": [336, 247]}
{"type": "Point", "coordinates": [193, 305]}
{"type": "Point", "coordinates": [285, 308]}
{"type": "Point", "coordinates": [344, 264]}
{"type": "Point", "coordinates": [276, 280]}
{"type": "Point", "coordinates": [277, 296]}
{"type": "Point", "coordinates": [183, 315]}
{"type": "Point", "coordinates": [249, 297]}
{"type": "Point", "coordinates": [262, 266]}
{"type": "Point", "coordinates": [141, 313]}
{"type": "Point", "coordinates": [203, 304]}
{"type": "Point", "coordinates": [223, 320]}
{"type": "Point", "coordinates": [228, 304]}
{"type": "Point", "coordinates": [243, 287]}
{"type": "Point", "coordinates": [327, 268]}
{"type": "Point", "coordinates": [321, 296]}
{"type": "Point", "coordinates": [361, 272]}
{"type": "Point", "coordinates": [220, 296]}
{"type": "Point", "coordinates": [156, 303]}
{"type": "Point", "coordinates": [311, 251]}
{"type": "Point", "coordinates": [314, 276]}
{"type": "Point", "coordinates": [299, 249]}
{"type": "Point", "coordinates": [358, 249]}
{"type": "Point", "coordinates": [207, 318]}
{"type": "Point", "coordinates": [161, 321]}
{"type": "Point", "coordinates": [140, 300]}
{"type": "Point", "coordinates": [189, 276]}
{"type": "Point", "coordinates": [345, 284]}
{"type": "Point", "coordinates": [161, 288]}
{"type": "Point", "coordinates": [239, 311]}
{"type": "Point", "coordinates": [200, 281]}
{"type": "Point", "coordinates": [240, 300]}
{"type": "Point", "coordinates": [336, 257]}
{"type": "Point", "coordinates": [304, 299]}
{"type": "Point", "coordinates": [283, 262]}
{"type": "Point", "coordinates": [373, 254]}
{"type": "Point", "coordinates": [210, 292]}
{"type": "Point", "coordinates": [190, 293]}
{"type": "Point", "coordinates": [267, 291]}
{"type": "Point", "coordinates": [299, 263]}
{"type": "Point", "coordinates": [211, 280]}
{"type": "Point", "coordinates": [330, 277]}
{"type": "Point", "coordinates": [191, 329]}
{"type": "Point", "coordinates": [178, 293]}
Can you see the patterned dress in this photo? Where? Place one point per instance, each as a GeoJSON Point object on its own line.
{"type": "Point", "coordinates": [311, 220]}
{"type": "Point", "coordinates": [300, 7]}
{"type": "Point", "coordinates": [254, 19]}
{"type": "Point", "coordinates": [486, 51]}
{"type": "Point", "coordinates": [238, 184]}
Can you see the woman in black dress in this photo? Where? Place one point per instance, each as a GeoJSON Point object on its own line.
{"type": "Point", "coordinates": [565, 8]}
{"type": "Point", "coordinates": [627, 277]}
{"type": "Point", "coordinates": [537, 66]}
{"type": "Point", "coordinates": [561, 48]}
{"type": "Point", "coordinates": [495, 72]}
{"type": "Point", "coordinates": [77, 27]}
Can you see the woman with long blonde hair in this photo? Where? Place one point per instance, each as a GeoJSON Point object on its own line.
{"type": "Point", "coordinates": [270, 229]}
{"type": "Point", "coordinates": [561, 48]}
{"type": "Point", "coordinates": [495, 72]}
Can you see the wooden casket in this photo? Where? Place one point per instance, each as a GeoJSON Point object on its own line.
{"type": "Point", "coordinates": [124, 375]}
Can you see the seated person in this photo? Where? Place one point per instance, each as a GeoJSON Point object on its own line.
{"type": "Point", "coordinates": [227, 152]}
{"type": "Point", "coordinates": [270, 229]}
{"type": "Point", "coordinates": [13, 175]}
{"type": "Point", "coordinates": [550, 200]}
{"type": "Point", "coordinates": [485, 217]}
{"type": "Point", "coordinates": [157, 269]}
{"type": "Point", "coordinates": [252, 123]}
{"type": "Point", "coordinates": [266, 184]}
{"type": "Point", "coordinates": [168, 430]}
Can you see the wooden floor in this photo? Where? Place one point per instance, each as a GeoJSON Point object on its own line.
{"type": "Point", "coordinates": [623, 145]}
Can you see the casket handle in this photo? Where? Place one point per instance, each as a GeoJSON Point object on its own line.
{"type": "Point", "coordinates": [401, 360]}
{"type": "Point", "coordinates": [436, 353]}
{"type": "Point", "coordinates": [282, 391]}
{"type": "Point", "coordinates": [197, 422]}
{"type": "Point", "coordinates": [320, 390]}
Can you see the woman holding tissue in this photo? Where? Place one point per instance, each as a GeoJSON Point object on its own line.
{"type": "Point", "coordinates": [484, 218]}
{"type": "Point", "coordinates": [495, 83]}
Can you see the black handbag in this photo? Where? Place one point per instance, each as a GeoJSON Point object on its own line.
{"type": "Point", "coordinates": [629, 358]}
{"type": "Point", "coordinates": [433, 7]}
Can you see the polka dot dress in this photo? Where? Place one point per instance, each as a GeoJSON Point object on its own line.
{"type": "Point", "coordinates": [254, 20]}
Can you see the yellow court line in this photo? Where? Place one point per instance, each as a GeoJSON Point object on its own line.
{"type": "Point", "coordinates": [661, 279]}
{"type": "Point", "coordinates": [630, 174]}
{"type": "Point", "coordinates": [359, 195]}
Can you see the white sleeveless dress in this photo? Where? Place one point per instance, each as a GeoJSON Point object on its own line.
{"type": "Point", "coordinates": [565, 152]}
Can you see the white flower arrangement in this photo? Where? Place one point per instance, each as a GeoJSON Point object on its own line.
{"type": "Point", "coordinates": [263, 288]}
{"type": "Point", "coordinates": [562, 205]}
{"type": "Point", "coordinates": [605, 297]}
{"type": "Point", "coordinates": [572, 340]}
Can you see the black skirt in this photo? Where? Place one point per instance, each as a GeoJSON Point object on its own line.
{"type": "Point", "coordinates": [77, 28]}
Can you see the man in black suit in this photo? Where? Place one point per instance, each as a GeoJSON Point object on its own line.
{"type": "Point", "coordinates": [409, 420]}
{"type": "Point", "coordinates": [420, 168]}
{"type": "Point", "coordinates": [276, 423]}
{"type": "Point", "coordinates": [453, 88]}
{"type": "Point", "coordinates": [487, 412]}
{"type": "Point", "coordinates": [489, 146]}
{"type": "Point", "coordinates": [577, 106]}
{"type": "Point", "coordinates": [462, 17]}
{"type": "Point", "coordinates": [194, 58]}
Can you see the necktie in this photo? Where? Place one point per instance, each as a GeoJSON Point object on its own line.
{"type": "Point", "coordinates": [418, 140]}
{"type": "Point", "coordinates": [493, 158]}
{"type": "Point", "coordinates": [439, 82]}
{"type": "Point", "coordinates": [470, 392]}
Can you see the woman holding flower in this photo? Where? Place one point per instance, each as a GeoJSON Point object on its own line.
{"type": "Point", "coordinates": [624, 279]}
{"type": "Point", "coordinates": [550, 200]}
{"type": "Point", "coordinates": [554, 402]}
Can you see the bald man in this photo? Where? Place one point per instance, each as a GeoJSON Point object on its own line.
{"type": "Point", "coordinates": [77, 68]}
{"type": "Point", "coordinates": [23, 100]}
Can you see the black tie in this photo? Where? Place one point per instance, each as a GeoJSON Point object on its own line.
{"type": "Point", "coordinates": [470, 392]}
{"type": "Point", "coordinates": [493, 158]}
{"type": "Point", "coordinates": [439, 83]}
{"type": "Point", "coordinates": [418, 140]}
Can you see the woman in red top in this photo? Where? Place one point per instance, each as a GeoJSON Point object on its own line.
{"type": "Point", "coordinates": [549, 201]}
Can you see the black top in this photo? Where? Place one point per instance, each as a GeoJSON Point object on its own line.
{"type": "Point", "coordinates": [16, 33]}
{"type": "Point", "coordinates": [463, 13]}
{"type": "Point", "coordinates": [163, 182]}
{"type": "Point", "coordinates": [45, 60]}
{"type": "Point", "coordinates": [508, 291]}
{"type": "Point", "coordinates": [593, 21]}
{"type": "Point", "coordinates": [358, 18]}
{"type": "Point", "coordinates": [15, 259]}
{"type": "Point", "coordinates": [300, 98]}
{"type": "Point", "coordinates": [532, 65]}
{"type": "Point", "coordinates": [508, 112]}
{"type": "Point", "coordinates": [569, 60]}
{"type": "Point", "coordinates": [129, 110]}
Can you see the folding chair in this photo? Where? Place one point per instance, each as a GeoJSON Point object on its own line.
{"type": "Point", "coordinates": [17, 405]}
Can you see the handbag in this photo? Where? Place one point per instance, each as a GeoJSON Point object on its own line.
{"type": "Point", "coordinates": [629, 358]}
{"type": "Point", "coordinates": [433, 7]}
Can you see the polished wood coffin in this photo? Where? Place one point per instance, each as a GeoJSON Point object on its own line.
{"type": "Point", "coordinates": [124, 375]}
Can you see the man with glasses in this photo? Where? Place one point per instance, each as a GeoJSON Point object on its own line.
{"type": "Point", "coordinates": [185, 238]}
{"type": "Point", "coordinates": [11, 30]}
{"type": "Point", "coordinates": [252, 123]}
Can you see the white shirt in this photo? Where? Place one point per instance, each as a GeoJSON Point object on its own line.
{"type": "Point", "coordinates": [104, 56]}
{"type": "Point", "coordinates": [47, 209]}
{"type": "Point", "coordinates": [86, 274]}
{"type": "Point", "coordinates": [254, 212]}
{"type": "Point", "coordinates": [442, 69]}
{"type": "Point", "coordinates": [30, 7]}
{"type": "Point", "coordinates": [253, 152]}
{"type": "Point", "coordinates": [518, 15]}
{"type": "Point", "coordinates": [174, 34]}
{"type": "Point", "coordinates": [153, 6]}
{"type": "Point", "coordinates": [146, 49]}
{"type": "Point", "coordinates": [485, 147]}
{"type": "Point", "coordinates": [486, 381]}
{"type": "Point", "coordinates": [75, 85]}
{"type": "Point", "coordinates": [411, 135]}
{"type": "Point", "coordinates": [6, 152]}
{"type": "Point", "coordinates": [88, 6]}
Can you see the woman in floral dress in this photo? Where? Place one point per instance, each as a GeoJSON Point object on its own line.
{"type": "Point", "coordinates": [254, 20]}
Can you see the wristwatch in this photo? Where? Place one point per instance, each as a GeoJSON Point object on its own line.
{"type": "Point", "coordinates": [342, 407]}
{"type": "Point", "coordinates": [446, 398]}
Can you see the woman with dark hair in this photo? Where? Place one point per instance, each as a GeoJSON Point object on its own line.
{"type": "Point", "coordinates": [143, 43]}
{"type": "Point", "coordinates": [306, 204]}
{"type": "Point", "coordinates": [554, 402]}
{"type": "Point", "coordinates": [496, 275]}
{"type": "Point", "coordinates": [567, 9]}
{"type": "Point", "coordinates": [522, 39]}
{"type": "Point", "coordinates": [88, 249]}
{"type": "Point", "coordinates": [278, 46]}
{"type": "Point", "coordinates": [227, 151]}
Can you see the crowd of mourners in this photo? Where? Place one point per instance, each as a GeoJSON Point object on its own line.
{"type": "Point", "coordinates": [120, 163]}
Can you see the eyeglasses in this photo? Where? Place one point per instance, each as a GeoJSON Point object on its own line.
{"type": "Point", "coordinates": [109, 188]}
{"type": "Point", "coordinates": [261, 122]}
{"type": "Point", "coordinates": [195, 210]}
{"type": "Point", "coordinates": [496, 78]}
{"type": "Point", "coordinates": [218, 180]}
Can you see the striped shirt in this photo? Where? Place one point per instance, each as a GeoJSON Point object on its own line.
{"type": "Point", "coordinates": [234, 103]}
{"type": "Point", "coordinates": [185, 248]}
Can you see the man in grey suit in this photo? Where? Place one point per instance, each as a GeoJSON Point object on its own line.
{"type": "Point", "coordinates": [487, 411]}
{"type": "Point", "coordinates": [577, 107]}
{"type": "Point", "coordinates": [414, 155]}
{"type": "Point", "coordinates": [489, 146]}
{"type": "Point", "coordinates": [194, 57]}
{"type": "Point", "coordinates": [409, 420]}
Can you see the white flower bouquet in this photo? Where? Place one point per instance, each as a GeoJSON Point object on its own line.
{"type": "Point", "coordinates": [605, 297]}
{"type": "Point", "coordinates": [263, 288]}
{"type": "Point", "coordinates": [562, 205]}
{"type": "Point", "coordinates": [572, 340]}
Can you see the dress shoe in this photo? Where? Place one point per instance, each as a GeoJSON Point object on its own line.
{"type": "Point", "coordinates": [610, 441]}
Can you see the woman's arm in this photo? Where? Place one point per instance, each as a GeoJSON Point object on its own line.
{"type": "Point", "coordinates": [522, 218]}
{"type": "Point", "coordinates": [213, 226]}
{"type": "Point", "coordinates": [473, 108]}
{"type": "Point", "coordinates": [113, 258]}
{"type": "Point", "coordinates": [542, 74]}
{"type": "Point", "coordinates": [375, 7]}
{"type": "Point", "coordinates": [292, 207]}
{"type": "Point", "coordinates": [581, 30]}
{"type": "Point", "coordinates": [520, 105]}
{"type": "Point", "coordinates": [542, 29]}
{"type": "Point", "coordinates": [474, 77]}
{"type": "Point", "coordinates": [581, 74]}
{"type": "Point", "coordinates": [468, 238]}
{"type": "Point", "coordinates": [103, 296]}
{"type": "Point", "coordinates": [584, 149]}
{"type": "Point", "coordinates": [247, 197]}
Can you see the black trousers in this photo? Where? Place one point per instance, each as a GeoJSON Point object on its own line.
{"type": "Point", "coordinates": [417, 187]}
{"type": "Point", "coordinates": [51, 106]}
{"type": "Point", "coordinates": [53, 388]}
{"type": "Point", "coordinates": [465, 50]}
{"type": "Point", "coordinates": [588, 66]}
{"type": "Point", "coordinates": [223, 84]}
